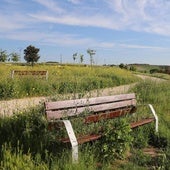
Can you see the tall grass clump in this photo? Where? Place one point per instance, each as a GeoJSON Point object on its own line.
{"type": "Point", "coordinates": [28, 129]}
{"type": "Point", "coordinates": [26, 137]}
{"type": "Point", "coordinates": [15, 159]}
{"type": "Point", "coordinates": [157, 94]}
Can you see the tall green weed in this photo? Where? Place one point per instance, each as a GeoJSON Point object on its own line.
{"type": "Point", "coordinates": [29, 129]}
{"type": "Point", "coordinates": [15, 160]}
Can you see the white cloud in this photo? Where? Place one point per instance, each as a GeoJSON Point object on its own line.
{"type": "Point", "coordinates": [51, 5]}
{"type": "Point", "coordinates": [77, 20]}
{"type": "Point", "coordinates": [142, 15]}
{"type": "Point", "coordinates": [135, 46]}
{"type": "Point", "coordinates": [7, 25]}
{"type": "Point", "coordinates": [59, 39]}
{"type": "Point", "coordinates": [55, 38]}
{"type": "Point", "coordinates": [14, 22]}
{"type": "Point", "coordinates": [106, 45]}
{"type": "Point", "coordinates": [74, 1]}
{"type": "Point", "coordinates": [15, 2]}
{"type": "Point", "coordinates": [150, 16]}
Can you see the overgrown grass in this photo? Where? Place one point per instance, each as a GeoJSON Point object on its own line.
{"type": "Point", "coordinates": [14, 160]}
{"type": "Point", "coordinates": [161, 75]}
{"type": "Point", "coordinates": [62, 80]}
{"type": "Point", "coordinates": [25, 136]}
{"type": "Point", "coordinates": [158, 94]}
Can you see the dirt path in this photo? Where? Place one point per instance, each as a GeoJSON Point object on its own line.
{"type": "Point", "coordinates": [10, 106]}
{"type": "Point", "coordinates": [151, 78]}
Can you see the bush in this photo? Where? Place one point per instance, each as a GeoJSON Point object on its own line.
{"type": "Point", "coordinates": [115, 141]}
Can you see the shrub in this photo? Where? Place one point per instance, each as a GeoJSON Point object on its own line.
{"type": "Point", "coordinates": [115, 141]}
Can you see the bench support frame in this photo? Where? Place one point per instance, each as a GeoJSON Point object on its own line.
{"type": "Point", "coordinates": [73, 140]}
{"type": "Point", "coordinates": [155, 116]}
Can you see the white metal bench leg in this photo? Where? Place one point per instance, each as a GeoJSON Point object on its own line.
{"type": "Point", "coordinates": [46, 76]}
{"type": "Point", "coordinates": [73, 140]}
{"type": "Point", "coordinates": [156, 117]}
{"type": "Point", "coordinates": [12, 74]}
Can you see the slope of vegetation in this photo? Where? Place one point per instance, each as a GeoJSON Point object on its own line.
{"type": "Point", "coordinates": [26, 142]}
{"type": "Point", "coordinates": [61, 80]}
{"type": "Point", "coordinates": [25, 136]}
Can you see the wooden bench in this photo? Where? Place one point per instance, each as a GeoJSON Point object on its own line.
{"type": "Point", "coordinates": [98, 109]}
{"type": "Point", "coordinates": [36, 73]}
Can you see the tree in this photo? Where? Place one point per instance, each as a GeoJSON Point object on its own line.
{"type": "Point", "coordinates": [31, 54]}
{"type": "Point", "coordinates": [74, 56]}
{"type": "Point", "coordinates": [132, 68]}
{"type": "Point", "coordinates": [121, 65]}
{"type": "Point", "coordinates": [3, 56]}
{"type": "Point", "coordinates": [154, 70]}
{"type": "Point", "coordinates": [167, 69]}
{"type": "Point", "coordinates": [91, 53]}
{"type": "Point", "coordinates": [15, 57]}
{"type": "Point", "coordinates": [81, 58]}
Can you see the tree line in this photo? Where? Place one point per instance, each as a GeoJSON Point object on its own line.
{"type": "Point", "coordinates": [31, 55]}
{"type": "Point", "coordinates": [4, 56]}
{"type": "Point", "coordinates": [81, 56]}
{"type": "Point", "coordinates": [161, 69]}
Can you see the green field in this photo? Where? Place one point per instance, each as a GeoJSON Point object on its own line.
{"type": "Point", "coordinates": [62, 79]}
{"type": "Point", "coordinates": [26, 142]}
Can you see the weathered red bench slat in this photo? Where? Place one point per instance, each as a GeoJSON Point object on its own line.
{"type": "Point", "coordinates": [93, 118]}
{"type": "Point", "coordinates": [142, 122]}
{"type": "Point", "coordinates": [84, 139]}
{"type": "Point", "coordinates": [113, 114]}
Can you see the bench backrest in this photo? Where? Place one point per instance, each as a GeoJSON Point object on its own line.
{"type": "Point", "coordinates": [97, 108]}
{"type": "Point", "coordinates": [29, 72]}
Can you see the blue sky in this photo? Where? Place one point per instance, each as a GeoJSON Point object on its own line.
{"type": "Point", "coordinates": [121, 31]}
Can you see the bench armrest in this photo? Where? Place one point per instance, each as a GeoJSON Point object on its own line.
{"type": "Point", "coordinates": [155, 116]}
